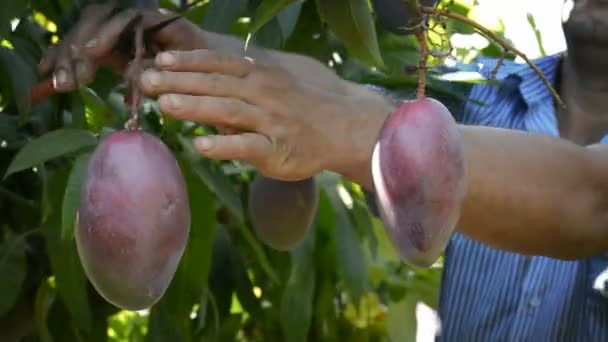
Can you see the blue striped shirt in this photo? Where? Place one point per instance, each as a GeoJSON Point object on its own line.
{"type": "Point", "coordinates": [493, 295]}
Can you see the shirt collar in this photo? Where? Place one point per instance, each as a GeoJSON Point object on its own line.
{"type": "Point", "coordinates": [531, 88]}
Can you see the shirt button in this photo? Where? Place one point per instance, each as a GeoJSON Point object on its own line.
{"type": "Point", "coordinates": [534, 302]}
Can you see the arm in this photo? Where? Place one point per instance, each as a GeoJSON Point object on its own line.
{"type": "Point", "coordinates": [530, 194]}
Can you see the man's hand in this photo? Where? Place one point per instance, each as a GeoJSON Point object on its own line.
{"type": "Point", "coordinates": [292, 126]}
{"type": "Point", "coordinates": [95, 39]}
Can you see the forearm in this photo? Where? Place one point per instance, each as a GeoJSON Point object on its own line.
{"type": "Point", "coordinates": [534, 194]}
{"type": "Point", "coordinates": [527, 193]}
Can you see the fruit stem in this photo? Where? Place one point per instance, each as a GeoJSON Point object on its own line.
{"type": "Point", "coordinates": [490, 35]}
{"type": "Point", "coordinates": [422, 66]}
{"type": "Point", "coordinates": [136, 96]}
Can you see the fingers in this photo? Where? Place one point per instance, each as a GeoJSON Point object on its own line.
{"type": "Point", "coordinates": [108, 36]}
{"type": "Point", "coordinates": [204, 61]}
{"type": "Point", "coordinates": [48, 60]}
{"type": "Point", "coordinates": [154, 83]}
{"type": "Point", "coordinates": [252, 148]}
{"type": "Point", "coordinates": [213, 111]}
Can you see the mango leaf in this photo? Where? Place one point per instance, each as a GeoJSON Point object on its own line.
{"type": "Point", "coordinates": [98, 113]}
{"type": "Point", "coordinates": [216, 181]}
{"type": "Point", "coordinates": [21, 78]}
{"type": "Point", "coordinates": [402, 320]}
{"type": "Point", "coordinates": [270, 36]}
{"type": "Point", "coordinates": [221, 14]}
{"type": "Point", "coordinates": [425, 284]}
{"type": "Point", "coordinates": [49, 146]}
{"type": "Point", "coordinates": [8, 128]}
{"type": "Point", "coordinates": [297, 300]}
{"type": "Point", "coordinates": [65, 262]}
{"type": "Point", "coordinates": [71, 197]}
{"type": "Point", "coordinates": [288, 18]}
{"type": "Point", "coordinates": [352, 22]}
{"type": "Point", "coordinates": [350, 256]}
{"type": "Point", "coordinates": [258, 251]}
{"type": "Point", "coordinates": [13, 266]}
{"type": "Point", "coordinates": [45, 297]}
{"type": "Point", "coordinates": [266, 11]}
{"type": "Point", "coordinates": [10, 10]}
{"type": "Point", "coordinates": [190, 279]}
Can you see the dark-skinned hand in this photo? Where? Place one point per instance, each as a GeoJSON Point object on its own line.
{"type": "Point", "coordinates": [95, 39]}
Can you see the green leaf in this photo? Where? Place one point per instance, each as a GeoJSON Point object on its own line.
{"type": "Point", "coordinates": [97, 111]}
{"type": "Point", "coordinates": [71, 197]}
{"type": "Point", "coordinates": [21, 78]}
{"type": "Point", "coordinates": [352, 22]}
{"type": "Point", "coordinates": [297, 300]}
{"type": "Point", "coordinates": [10, 10]}
{"type": "Point", "coordinates": [258, 251]}
{"type": "Point", "coordinates": [13, 267]}
{"type": "Point", "coordinates": [45, 297]}
{"type": "Point", "coordinates": [216, 181]}
{"type": "Point", "coordinates": [221, 14]}
{"type": "Point", "coordinates": [49, 146]}
{"type": "Point", "coordinates": [349, 251]}
{"type": "Point", "coordinates": [64, 259]}
{"type": "Point", "coordinates": [288, 18]}
{"type": "Point", "coordinates": [267, 10]}
{"type": "Point", "coordinates": [270, 36]}
{"type": "Point", "coordinates": [191, 277]}
{"type": "Point", "coordinates": [8, 127]}
{"type": "Point", "coordinates": [402, 320]}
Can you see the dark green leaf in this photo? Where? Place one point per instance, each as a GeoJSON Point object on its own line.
{"type": "Point", "coordinates": [258, 251]}
{"type": "Point", "coordinates": [8, 128]}
{"type": "Point", "coordinates": [267, 10]}
{"type": "Point", "coordinates": [45, 297]}
{"type": "Point", "coordinates": [65, 262]}
{"type": "Point", "coordinates": [216, 181]}
{"type": "Point", "coordinates": [270, 36]}
{"type": "Point", "coordinates": [71, 197]}
{"type": "Point", "coordinates": [221, 14]}
{"type": "Point", "coordinates": [49, 146]}
{"type": "Point", "coordinates": [288, 18]}
{"type": "Point", "coordinates": [13, 268]}
{"type": "Point", "coordinates": [10, 10]}
{"type": "Point", "coordinates": [21, 78]}
{"type": "Point", "coordinates": [297, 301]}
{"type": "Point", "coordinates": [190, 279]}
{"type": "Point", "coordinates": [349, 253]}
{"type": "Point", "coordinates": [352, 22]}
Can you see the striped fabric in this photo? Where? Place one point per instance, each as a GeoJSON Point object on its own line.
{"type": "Point", "coordinates": [492, 295]}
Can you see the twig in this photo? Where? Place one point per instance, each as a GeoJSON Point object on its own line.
{"type": "Point", "coordinates": [489, 34]}
{"type": "Point", "coordinates": [501, 60]}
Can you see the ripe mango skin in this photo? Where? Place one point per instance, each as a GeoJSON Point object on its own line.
{"type": "Point", "coordinates": [420, 178]}
{"type": "Point", "coordinates": [282, 212]}
{"type": "Point", "coordinates": [133, 221]}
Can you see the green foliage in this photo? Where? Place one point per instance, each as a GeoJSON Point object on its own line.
{"type": "Point", "coordinates": [344, 282]}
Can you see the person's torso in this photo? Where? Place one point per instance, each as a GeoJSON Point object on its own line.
{"type": "Point", "coordinates": [492, 295]}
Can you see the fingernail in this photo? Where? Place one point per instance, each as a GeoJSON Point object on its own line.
{"type": "Point", "coordinates": [203, 143]}
{"type": "Point", "coordinates": [61, 77]}
{"type": "Point", "coordinates": [166, 59]}
{"type": "Point", "coordinates": [91, 43]}
{"type": "Point", "coordinates": [151, 78]}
